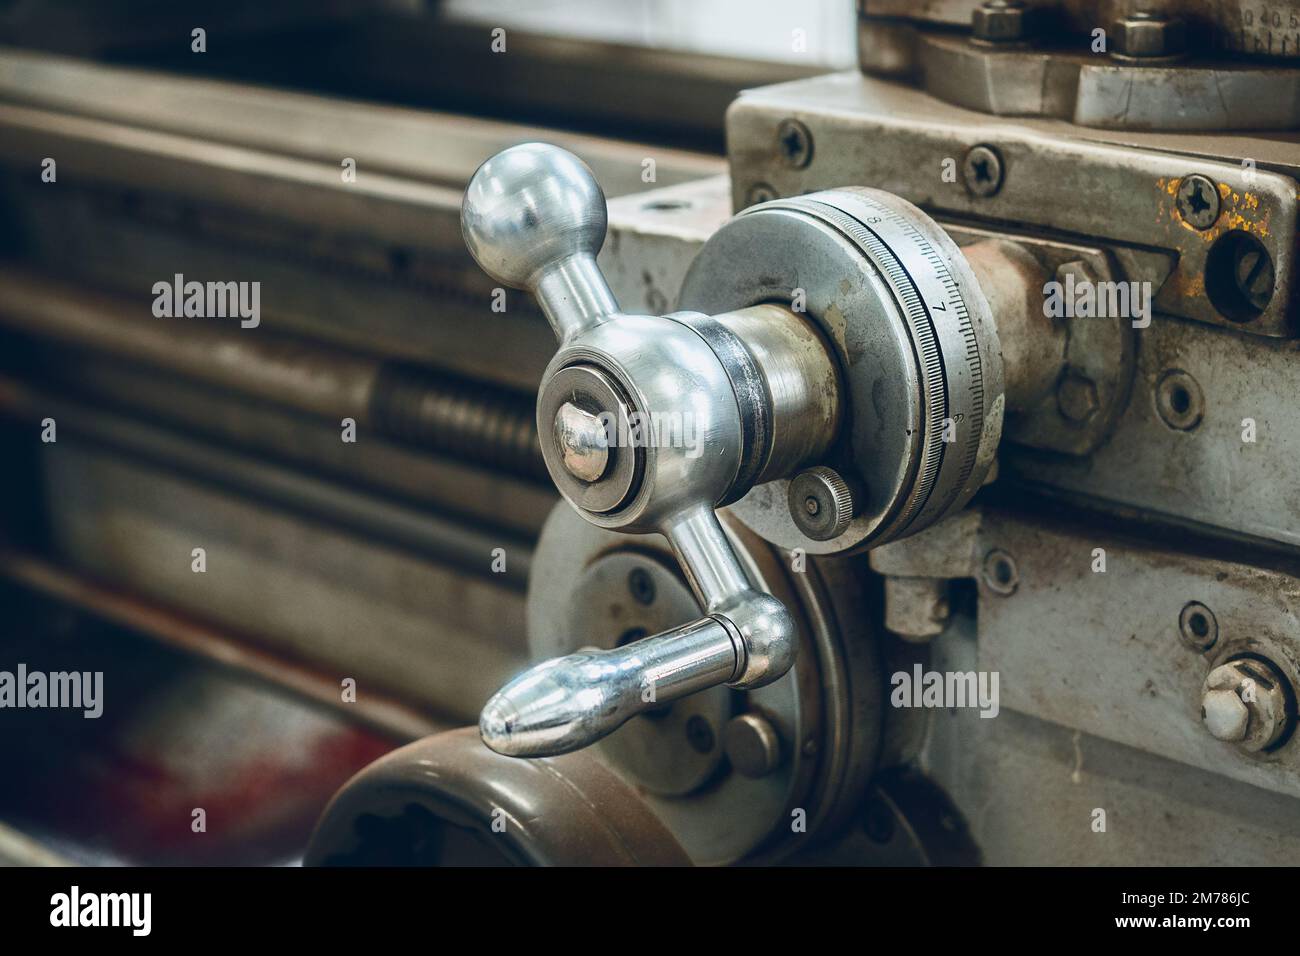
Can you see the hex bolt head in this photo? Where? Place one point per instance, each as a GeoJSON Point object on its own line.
{"type": "Point", "coordinates": [1142, 36]}
{"type": "Point", "coordinates": [1225, 715]}
{"type": "Point", "coordinates": [794, 143]}
{"type": "Point", "coordinates": [1000, 21]}
{"type": "Point", "coordinates": [821, 503]}
{"type": "Point", "coordinates": [583, 443]}
{"type": "Point", "coordinates": [1251, 687]}
{"type": "Point", "coordinates": [752, 745]}
{"type": "Point", "coordinates": [1198, 201]}
{"type": "Point", "coordinates": [982, 171]}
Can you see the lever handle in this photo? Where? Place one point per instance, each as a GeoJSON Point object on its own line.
{"type": "Point", "coordinates": [566, 703]}
{"type": "Point", "coordinates": [534, 218]}
{"type": "Point", "coordinates": [570, 702]}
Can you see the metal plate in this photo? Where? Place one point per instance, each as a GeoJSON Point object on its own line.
{"type": "Point", "coordinates": [1117, 189]}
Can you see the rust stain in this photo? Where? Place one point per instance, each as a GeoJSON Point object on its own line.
{"type": "Point", "coordinates": [1185, 283]}
{"type": "Point", "coordinates": [1241, 211]}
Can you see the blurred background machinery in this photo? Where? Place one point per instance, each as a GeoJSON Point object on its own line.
{"type": "Point", "coordinates": [431, 560]}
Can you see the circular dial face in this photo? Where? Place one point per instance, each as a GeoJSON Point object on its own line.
{"type": "Point", "coordinates": [1259, 28]}
{"type": "Point", "coordinates": [915, 340]}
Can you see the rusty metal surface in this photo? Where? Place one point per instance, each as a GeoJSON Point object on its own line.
{"type": "Point", "coordinates": [1096, 646]}
{"type": "Point", "coordinates": [1207, 474]}
{"type": "Point", "coordinates": [1101, 651]}
{"type": "Point", "coordinates": [1119, 197]}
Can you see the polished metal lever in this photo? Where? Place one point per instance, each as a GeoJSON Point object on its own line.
{"type": "Point", "coordinates": [647, 424]}
{"type": "Point", "coordinates": [535, 218]}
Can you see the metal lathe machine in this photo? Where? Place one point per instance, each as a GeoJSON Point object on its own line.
{"type": "Point", "coordinates": [433, 440]}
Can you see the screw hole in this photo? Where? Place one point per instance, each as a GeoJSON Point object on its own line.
{"type": "Point", "coordinates": [1198, 626]}
{"type": "Point", "coordinates": [1001, 574]}
{"type": "Point", "coordinates": [641, 586]}
{"type": "Point", "coordinates": [1239, 276]}
{"type": "Point", "coordinates": [1180, 400]}
{"type": "Point", "coordinates": [699, 734]}
{"type": "Point", "coordinates": [666, 205]}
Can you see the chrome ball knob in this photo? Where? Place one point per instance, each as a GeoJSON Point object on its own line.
{"type": "Point", "coordinates": [530, 207]}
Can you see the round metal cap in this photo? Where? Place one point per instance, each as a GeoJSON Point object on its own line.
{"type": "Point", "coordinates": [579, 402]}
{"type": "Point", "coordinates": [821, 503]}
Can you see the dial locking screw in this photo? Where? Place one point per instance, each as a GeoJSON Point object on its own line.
{"type": "Point", "coordinates": [821, 503]}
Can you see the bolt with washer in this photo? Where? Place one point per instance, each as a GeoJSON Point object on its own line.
{"type": "Point", "coordinates": [1245, 702]}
